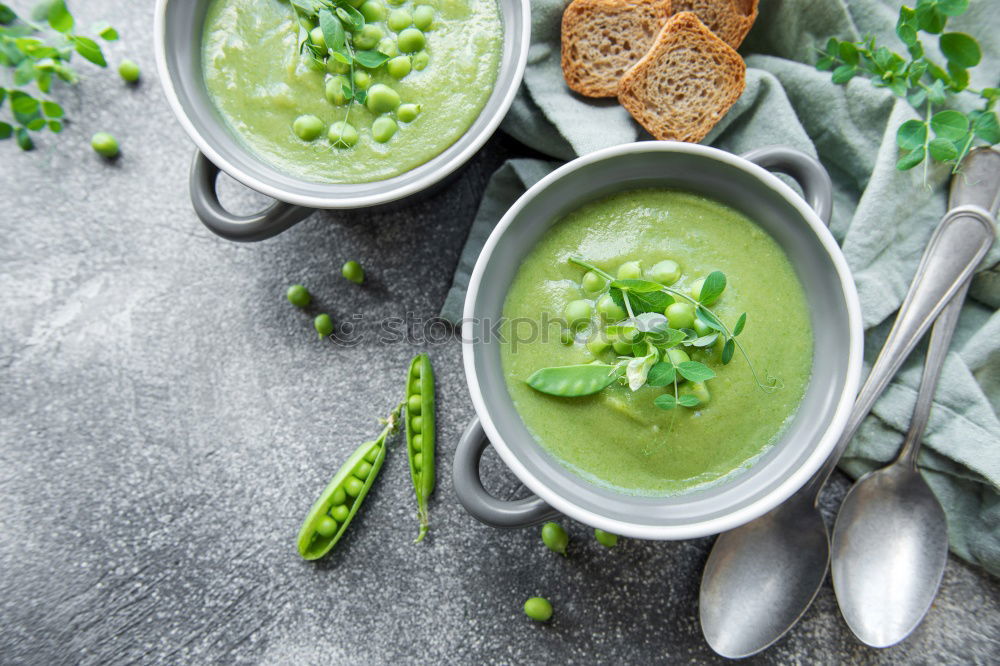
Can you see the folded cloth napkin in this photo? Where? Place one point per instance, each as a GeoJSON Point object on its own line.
{"type": "Point", "coordinates": [882, 219]}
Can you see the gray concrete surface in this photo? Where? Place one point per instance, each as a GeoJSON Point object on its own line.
{"type": "Point", "coordinates": [167, 418]}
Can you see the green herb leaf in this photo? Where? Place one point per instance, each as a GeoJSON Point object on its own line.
{"type": "Point", "coordinates": [59, 17]}
{"type": "Point", "coordinates": [106, 32]}
{"type": "Point", "coordinates": [911, 134]}
{"type": "Point", "coordinates": [688, 400]}
{"type": "Point", "coordinates": [661, 374]}
{"type": "Point", "coordinates": [942, 149]}
{"type": "Point", "coordinates": [351, 17]}
{"type": "Point", "coordinates": [987, 128]}
{"type": "Point", "coordinates": [727, 351]}
{"type": "Point", "coordinates": [89, 49]}
{"type": "Point", "coordinates": [714, 285]}
{"type": "Point", "coordinates": [370, 59]}
{"type": "Point", "coordinates": [936, 94]}
{"type": "Point", "coordinates": [952, 7]}
{"type": "Point", "coordinates": [959, 77]}
{"type": "Point", "coordinates": [55, 126]}
{"type": "Point", "coordinates": [665, 401]}
{"type": "Point", "coordinates": [52, 110]}
{"type": "Point", "coordinates": [7, 16]}
{"type": "Point", "coordinates": [929, 19]}
{"type": "Point", "coordinates": [637, 286]}
{"type": "Point", "coordinates": [703, 341]}
{"type": "Point", "coordinates": [23, 139]}
{"type": "Point", "coordinates": [951, 125]}
{"type": "Point", "coordinates": [6, 130]}
{"type": "Point", "coordinates": [825, 63]}
{"type": "Point", "coordinates": [740, 323]}
{"type": "Point", "coordinates": [36, 124]}
{"type": "Point", "coordinates": [333, 31]}
{"type": "Point", "coordinates": [848, 53]}
{"type": "Point", "coordinates": [961, 49]}
{"type": "Point", "coordinates": [649, 322]}
{"type": "Point", "coordinates": [573, 380]}
{"type": "Point", "coordinates": [911, 159]}
{"type": "Point", "coordinates": [709, 319]}
{"type": "Point", "coordinates": [694, 371]}
{"type": "Point", "coordinates": [671, 337]}
{"type": "Point", "coordinates": [23, 103]}
{"type": "Point", "coordinates": [843, 74]}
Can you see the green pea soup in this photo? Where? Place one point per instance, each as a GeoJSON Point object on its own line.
{"type": "Point", "coordinates": [260, 84]}
{"type": "Point", "coordinates": [620, 439]}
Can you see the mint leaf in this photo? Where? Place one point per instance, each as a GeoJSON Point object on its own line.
{"type": "Point", "coordinates": [693, 371]}
{"type": "Point", "coordinates": [661, 374]}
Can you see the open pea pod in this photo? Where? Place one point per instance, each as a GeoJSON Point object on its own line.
{"type": "Point", "coordinates": [330, 515]}
{"type": "Point", "coordinates": [420, 435]}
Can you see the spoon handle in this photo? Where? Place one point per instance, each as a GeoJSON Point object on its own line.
{"type": "Point", "coordinates": [955, 249]}
{"type": "Point", "coordinates": [937, 352]}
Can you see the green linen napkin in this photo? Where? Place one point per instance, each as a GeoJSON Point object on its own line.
{"type": "Point", "coordinates": [882, 218]}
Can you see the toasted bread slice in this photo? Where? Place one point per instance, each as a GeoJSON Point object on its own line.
{"type": "Point", "coordinates": [730, 20]}
{"type": "Point", "coordinates": [686, 82]}
{"type": "Point", "coordinates": [601, 39]}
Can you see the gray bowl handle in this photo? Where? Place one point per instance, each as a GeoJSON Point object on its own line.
{"type": "Point", "coordinates": [817, 189]}
{"type": "Point", "coordinates": [473, 496]}
{"type": "Point", "coordinates": [269, 222]}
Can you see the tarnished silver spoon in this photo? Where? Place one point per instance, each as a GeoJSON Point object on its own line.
{"type": "Point", "coordinates": [760, 578]}
{"type": "Point", "coordinates": [890, 541]}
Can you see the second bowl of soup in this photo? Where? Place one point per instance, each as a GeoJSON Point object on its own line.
{"type": "Point", "coordinates": [662, 340]}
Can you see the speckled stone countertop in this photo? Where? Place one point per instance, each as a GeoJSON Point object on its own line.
{"type": "Point", "coordinates": [167, 418]}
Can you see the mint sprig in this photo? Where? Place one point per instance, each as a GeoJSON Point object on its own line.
{"type": "Point", "coordinates": [36, 53]}
{"type": "Point", "coordinates": [944, 135]}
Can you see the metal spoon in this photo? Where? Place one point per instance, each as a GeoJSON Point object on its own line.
{"type": "Point", "coordinates": [760, 578]}
{"type": "Point", "coordinates": [890, 541]}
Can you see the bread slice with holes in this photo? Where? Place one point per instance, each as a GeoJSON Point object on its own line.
{"type": "Point", "coordinates": [686, 82]}
{"type": "Point", "coordinates": [730, 20]}
{"type": "Point", "coordinates": [601, 39]}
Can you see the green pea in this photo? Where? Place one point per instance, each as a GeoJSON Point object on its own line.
{"type": "Point", "coordinates": [383, 128]}
{"type": "Point", "coordinates": [423, 16]}
{"type": "Point", "coordinates": [317, 38]}
{"type": "Point", "coordinates": [342, 134]}
{"type": "Point", "coordinates": [666, 272]}
{"type": "Point", "coordinates": [327, 526]}
{"type": "Point", "coordinates": [407, 113]}
{"type": "Point", "coordinates": [355, 3]}
{"type": "Point", "coordinates": [323, 325]}
{"type": "Point", "coordinates": [339, 496]}
{"type": "Point", "coordinates": [700, 391]}
{"type": "Point", "coordinates": [353, 486]}
{"type": "Point", "coordinates": [298, 296]}
{"type": "Point", "coordinates": [372, 455]}
{"type": "Point", "coordinates": [418, 460]}
{"type": "Point", "coordinates": [418, 441]}
{"type": "Point", "coordinates": [677, 356]}
{"type": "Point", "coordinates": [399, 66]}
{"type": "Point", "coordinates": [307, 127]}
{"type": "Point", "coordinates": [340, 512]}
{"type": "Point", "coordinates": [369, 37]}
{"type": "Point", "coordinates": [701, 328]}
{"type": "Point", "coordinates": [417, 423]}
{"type": "Point", "coordinates": [104, 144]}
{"type": "Point", "coordinates": [373, 11]}
{"type": "Point", "coordinates": [398, 20]}
{"type": "Point", "coordinates": [538, 609]}
{"type": "Point", "coordinates": [566, 337]}
{"type": "Point", "coordinates": [608, 309]}
{"type": "Point", "coordinates": [388, 47]}
{"type": "Point", "coordinates": [598, 343]}
{"type": "Point", "coordinates": [411, 40]}
{"type": "Point", "coordinates": [334, 66]}
{"type": "Point", "coordinates": [362, 470]}
{"type": "Point", "coordinates": [606, 538]}
{"type": "Point", "coordinates": [630, 270]}
{"type": "Point", "coordinates": [555, 537]}
{"type": "Point", "coordinates": [622, 347]}
{"type": "Point", "coordinates": [680, 315]}
{"type": "Point", "coordinates": [593, 282]}
{"type": "Point", "coordinates": [128, 70]}
{"type": "Point", "coordinates": [415, 386]}
{"type": "Point", "coordinates": [352, 271]}
{"type": "Point", "coordinates": [578, 312]}
{"type": "Point", "coordinates": [421, 60]}
{"type": "Point", "coordinates": [362, 79]}
{"type": "Point", "coordinates": [413, 404]}
{"type": "Point", "coordinates": [335, 93]}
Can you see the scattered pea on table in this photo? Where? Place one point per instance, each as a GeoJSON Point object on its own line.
{"type": "Point", "coordinates": [555, 537]}
{"type": "Point", "coordinates": [128, 70]}
{"type": "Point", "coordinates": [298, 296]}
{"type": "Point", "coordinates": [105, 145]}
{"type": "Point", "coordinates": [538, 609]}
{"type": "Point", "coordinates": [352, 271]}
{"type": "Point", "coordinates": [323, 325]}
{"type": "Point", "coordinates": [606, 539]}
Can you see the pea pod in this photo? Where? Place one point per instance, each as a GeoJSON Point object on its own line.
{"type": "Point", "coordinates": [571, 381]}
{"type": "Point", "coordinates": [420, 434]}
{"type": "Point", "coordinates": [329, 517]}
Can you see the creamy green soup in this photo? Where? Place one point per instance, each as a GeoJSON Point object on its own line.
{"type": "Point", "coordinates": [618, 438]}
{"type": "Point", "coordinates": [260, 84]}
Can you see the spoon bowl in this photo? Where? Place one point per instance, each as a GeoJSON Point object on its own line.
{"type": "Point", "coordinates": [774, 565]}
{"type": "Point", "coordinates": [890, 546]}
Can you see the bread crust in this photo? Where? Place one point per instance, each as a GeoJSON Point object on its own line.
{"type": "Point", "coordinates": [601, 39]}
{"type": "Point", "coordinates": [730, 20]}
{"type": "Point", "coordinates": [685, 83]}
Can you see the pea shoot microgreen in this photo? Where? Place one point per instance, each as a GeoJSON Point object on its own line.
{"type": "Point", "coordinates": [38, 50]}
{"type": "Point", "coordinates": [944, 135]}
{"type": "Point", "coordinates": [657, 357]}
